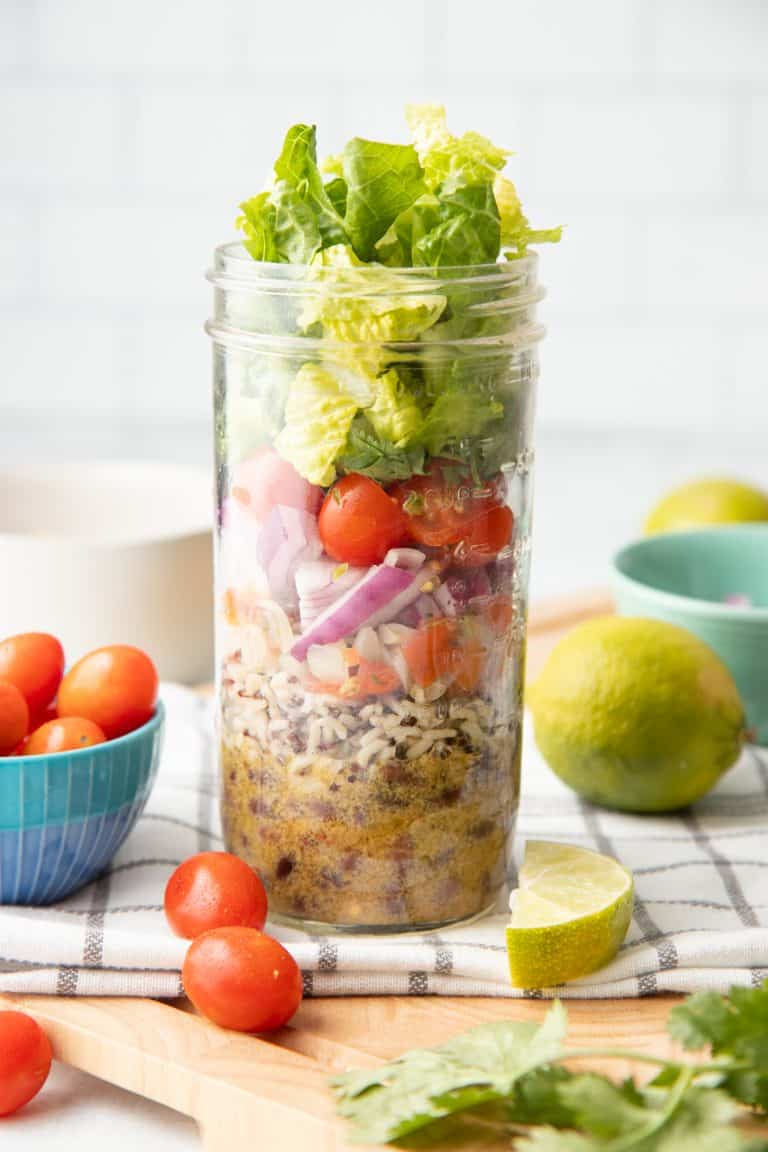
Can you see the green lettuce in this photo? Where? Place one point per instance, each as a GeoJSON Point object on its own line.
{"type": "Point", "coordinates": [458, 414]}
{"type": "Point", "coordinates": [370, 317]}
{"type": "Point", "coordinates": [395, 413]}
{"type": "Point", "coordinates": [382, 181]}
{"type": "Point", "coordinates": [319, 411]}
{"type": "Point", "coordinates": [456, 160]}
{"type": "Point", "coordinates": [296, 217]}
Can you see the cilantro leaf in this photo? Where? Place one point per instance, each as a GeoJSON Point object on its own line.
{"type": "Point", "coordinates": [700, 1121]}
{"type": "Point", "coordinates": [372, 455]}
{"type": "Point", "coordinates": [425, 1085]}
{"type": "Point", "coordinates": [736, 1027]}
{"type": "Point", "coordinates": [382, 181]}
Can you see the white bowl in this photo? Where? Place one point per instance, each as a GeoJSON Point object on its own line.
{"type": "Point", "coordinates": [113, 553]}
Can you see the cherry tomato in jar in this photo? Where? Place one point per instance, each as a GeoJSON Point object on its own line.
{"type": "Point", "coordinates": [242, 979]}
{"type": "Point", "coordinates": [14, 717]}
{"type": "Point", "coordinates": [66, 734]}
{"type": "Point", "coordinates": [34, 662]}
{"type": "Point", "coordinates": [25, 1060]}
{"type": "Point", "coordinates": [359, 522]}
{"type": "Point", "coordinates": [115, 687]}
{"type": "Point", "coordinates": [214, 890]}
{"type": "Point", "coordinates": [458, 515]}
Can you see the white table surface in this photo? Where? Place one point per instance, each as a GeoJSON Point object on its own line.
{"type": "Point", "coordinates": [592, 491]}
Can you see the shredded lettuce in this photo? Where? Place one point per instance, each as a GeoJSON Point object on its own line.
{"type": "Point", "coordinates": [438, 203]}
{"type": "Point", "coordinates": [395, 413]}
{"type": "Point", "coordinates": [296, 217]}
{"type": "Point", "coordinates": [372, 317]}
{"type": "Point", "coordinates": [382, 181]}
{"type": "Point", "coordinates": [455, 160]}
{"type": "Point", "coordinates": [319, 411]}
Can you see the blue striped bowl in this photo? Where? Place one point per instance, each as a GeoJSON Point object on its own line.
{"type": "Point", "coordinates": [63, 817]}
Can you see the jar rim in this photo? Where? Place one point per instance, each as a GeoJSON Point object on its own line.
{"type": "Point", "coordinates": [234, 267]}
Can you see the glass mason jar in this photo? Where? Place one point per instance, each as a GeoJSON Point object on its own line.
{"type": "Point", "coordinates": [369, 710]}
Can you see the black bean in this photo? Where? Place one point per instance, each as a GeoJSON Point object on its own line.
{"type": "Point", "coordinates": [284, 867]}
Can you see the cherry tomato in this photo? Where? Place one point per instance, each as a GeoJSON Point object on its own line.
{"type": "Point", "coordinates": [25, 1060]}
{"type": "Point", "coordinates": [468, 665]}
{"type": "Point", "coordinates": [34, 662]}
{"type": "Point", "coordinates": [242, 979]}
{"type": "Point", "coordinates": [14, 717]}
{"type": "Point", "coordinates": [214, 890]}
{"type": "Point", "coordinates": [63, 735]}
{"type": "Point", "coordinates": [443, 512]}
{"type": "Point", "coordinates": [266, 479]}
{"type": "Point", "coordinates": [114, 687]}
{"type": "Point", "coordinates": [359, 522]}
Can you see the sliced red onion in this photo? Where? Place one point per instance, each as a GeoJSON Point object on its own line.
{"type": "Point", "coordinates": [288, 537]}
{"type": "Point", "coordinates": [379, 590]}
{"type": "Point", "coordinates": [320, 583]}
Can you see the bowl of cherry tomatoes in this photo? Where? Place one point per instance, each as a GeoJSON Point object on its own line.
{"type": "Point", "coordinates": [79, 751]}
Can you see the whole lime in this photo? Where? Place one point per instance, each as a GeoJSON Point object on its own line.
{"type": "Point", "coordinates": [706, 502]}
{"type": "Point", "coordinates": [636, 714]}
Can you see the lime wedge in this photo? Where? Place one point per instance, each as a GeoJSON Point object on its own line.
{"type": "Point", "coordinates": [569, 915]}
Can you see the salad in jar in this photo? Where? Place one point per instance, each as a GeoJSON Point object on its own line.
{"type": "Point", "coordinates": [375, 363]}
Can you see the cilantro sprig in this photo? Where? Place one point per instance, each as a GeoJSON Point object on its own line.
{"type": "Point", "coordinates": [509, 1077]}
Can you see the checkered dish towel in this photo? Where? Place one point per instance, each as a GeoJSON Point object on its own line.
{"type": "Point", "coordinates": [700, 919]}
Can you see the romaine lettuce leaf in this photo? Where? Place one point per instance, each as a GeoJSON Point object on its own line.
{"type": "Point", "coordinates": [515, 229]}
{"type": "Point", "coordinates": [372, 318]}
{"type": "Point", "coordinates": [372, 455]}
{"type": "Point", "coordinates": [457, 414]}
{"type": "Point", "coordinates": [395, 413]}
{"type": "Point", "coordinates": [296, 217]}
{"type": "Point", "coordinates": [382, 181]}
{"type": "Point", "coordinates": [319, 411]}
{"type": "Point", "coordinates": [455, 160]}
{"type": "Point", "coordinates": [297, 166]}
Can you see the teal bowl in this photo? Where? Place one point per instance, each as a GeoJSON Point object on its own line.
{"type": "Point", "coordinates": [687, 577]}
{"type": "Point", "coordinates": [63, 816]}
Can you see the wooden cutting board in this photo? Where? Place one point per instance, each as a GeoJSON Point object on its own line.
{"type": "Point", "coordinates": [245, 1091]}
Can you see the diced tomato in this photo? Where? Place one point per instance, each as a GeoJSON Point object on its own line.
{"type": "Point", "coordinates": [429, 654]}
{"type": "Point", "coordinates": [499, 611]}
{"type": "Point", "coordinates": [442, 512]}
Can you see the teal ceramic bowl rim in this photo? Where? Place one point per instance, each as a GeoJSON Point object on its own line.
{"type": "Point", "coordinates": [676, 600]}
{"type": "Point", "coordinates": [148, 729]}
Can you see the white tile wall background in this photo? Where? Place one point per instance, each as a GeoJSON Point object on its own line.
{"type": "Point", "coordinates": [129, 131]}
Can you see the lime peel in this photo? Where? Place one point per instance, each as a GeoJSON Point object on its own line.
{"type": "Point", "coordinates": [570, 914]}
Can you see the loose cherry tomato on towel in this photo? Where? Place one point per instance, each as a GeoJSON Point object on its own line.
{"type": "Point", "coordinates": [25, 1060]}
{"type": "Point", "coordinates": [242, 979]}
{"type": "Point", "coordinates": [14, 717]}
{"type": "Point", "coordinates": [63, 735]}
{"type": "Point", "coordinates": [115, 687]}
{"type": "Point", "coordinates": [359, 522]}
{"type": "Point", "coordinates": [34, 662]}
{"type": "Point", "coordinates": [214, 890]}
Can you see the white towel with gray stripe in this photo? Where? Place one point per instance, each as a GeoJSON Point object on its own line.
{"type": "Point", "coordinates": [700, 918]}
